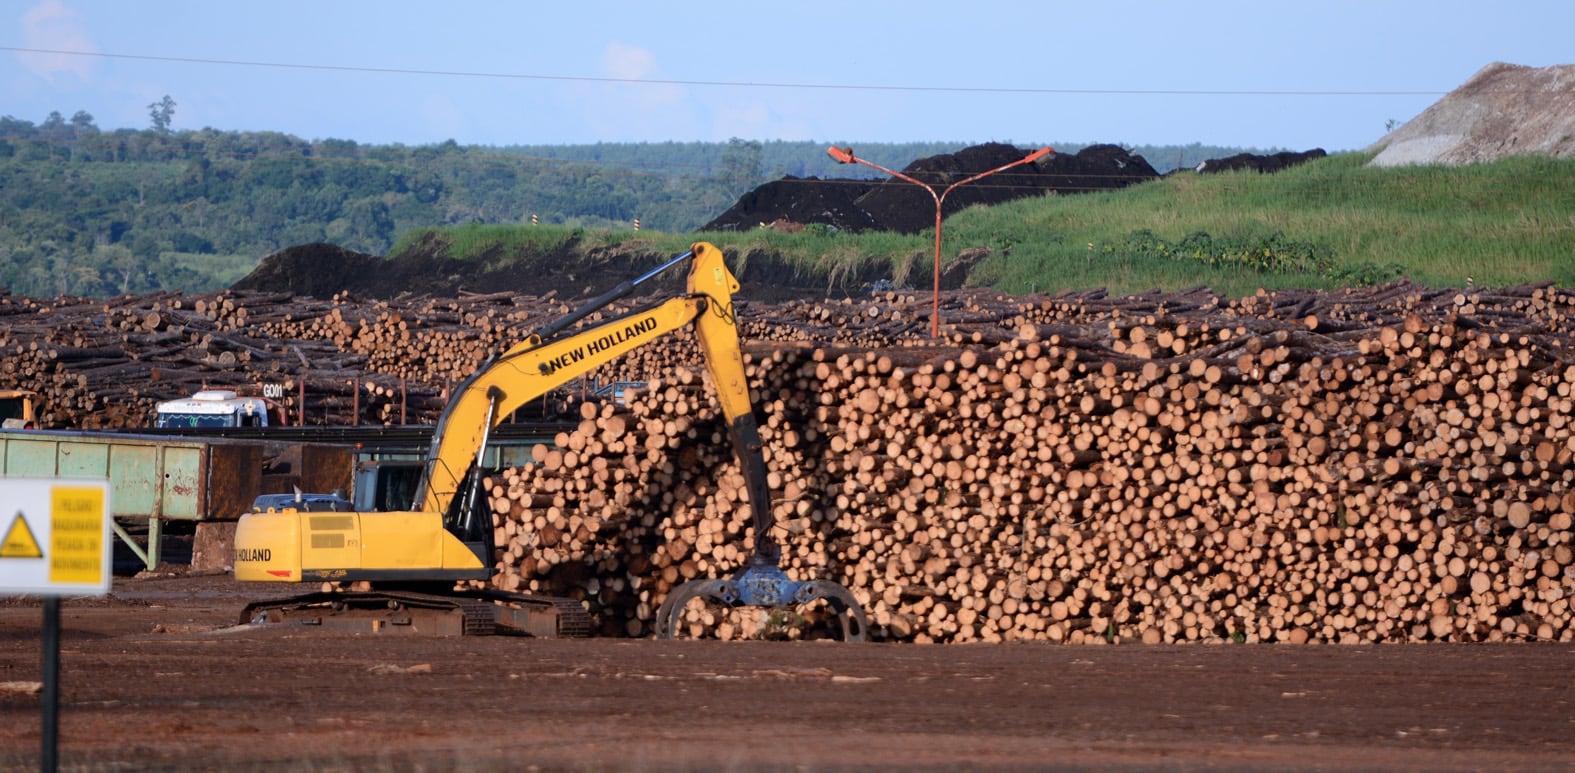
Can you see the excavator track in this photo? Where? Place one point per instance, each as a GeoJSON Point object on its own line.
{"type": "Point", "coordinates": [570, 620]}
{"type": "Point", "coordinates": [447, 613]}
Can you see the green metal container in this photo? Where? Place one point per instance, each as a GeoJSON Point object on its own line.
{"type": "Point", "coordinates": [151, 479]}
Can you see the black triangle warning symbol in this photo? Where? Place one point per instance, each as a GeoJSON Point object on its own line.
{"type": "Point", "coordinates": [19, 541]}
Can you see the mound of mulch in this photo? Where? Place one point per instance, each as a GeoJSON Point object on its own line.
{"type": "Point", "coordinates": [897, 205]}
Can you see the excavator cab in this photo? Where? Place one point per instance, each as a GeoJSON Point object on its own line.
{"type": "Point", "coordinates": [18, 408]}
{"type": "Point", "coordinates": [386, 485]}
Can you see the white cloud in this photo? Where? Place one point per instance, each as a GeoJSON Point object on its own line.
{"type": "Point", "coordinates": [51, 25]}
{"type": "Point", "coordinates": [631, 62]}
{"type": "Point", "coordinates": [630, 111]}
{"type": "Point", "coordinates": [647, 110]}
{"type": "Point", "coordinates": [637, 64]}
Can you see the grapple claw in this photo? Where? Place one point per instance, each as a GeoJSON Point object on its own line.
{"type": "Point", "coordinates": [673, 606]}
{"type": "Point", "coordinates": [762, 585]}
{"type": "Point", "coordinates": [849, 614]}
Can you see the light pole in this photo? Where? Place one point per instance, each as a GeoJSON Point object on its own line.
{"type": "Point", "coordinates": [845, 155]}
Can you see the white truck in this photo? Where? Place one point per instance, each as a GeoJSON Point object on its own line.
{"type": "Point", "coordinates": [218, 408]}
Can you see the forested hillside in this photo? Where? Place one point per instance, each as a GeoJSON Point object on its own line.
{"type": "Point", "coordinates": [90, 212]}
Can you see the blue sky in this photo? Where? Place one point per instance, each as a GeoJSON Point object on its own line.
{"type": "Point", "coordinates": [1249, 74]}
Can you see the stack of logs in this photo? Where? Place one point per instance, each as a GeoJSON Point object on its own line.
{"type": "Point", "coordinates": [1379, 464]}
{"type": "Point", "coordinates": [1392, 471]}
{"type": "Point", "coordinates": [107, 363]}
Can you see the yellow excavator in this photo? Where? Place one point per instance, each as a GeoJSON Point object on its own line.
{"type": "Point", "coordinates": [413, 559]}
{"type": "Point", "coordinates": [19, 408]}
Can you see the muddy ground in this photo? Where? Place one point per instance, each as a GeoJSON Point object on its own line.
{"type": "Point", "coordinates": [158, 676]}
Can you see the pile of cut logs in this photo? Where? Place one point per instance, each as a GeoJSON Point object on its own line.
{"type": "Point", "coordinates": [1334, 468]}
{"type": "Point", "coordinates": [1379, 464]}
{"type": "Point", "coordinates": [107, 363]}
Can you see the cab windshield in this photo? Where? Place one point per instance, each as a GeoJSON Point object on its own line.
{"type": "Point", "coordinates": [11, 407]}
{"type": "Point", "coordinates": [196, 420]}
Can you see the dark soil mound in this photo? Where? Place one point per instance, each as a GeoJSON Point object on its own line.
{"type": "Point", "coordinates": [804, 201]}
{"type": "Point", "coordinates": [901, 206]}
{"type": "Point", "coordinates": [898, 205]}
{"type": "Point", "coordinates": [1095, 168]}
{"type": "Point", "coordinates": [321, 270]}
{"type": "Point", "coordinates": [1259, 163]}
{"type": "Point", "coordinates": [317, 270]}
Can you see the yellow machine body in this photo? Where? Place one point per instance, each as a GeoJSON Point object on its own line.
{"type": "Point", "coordinates": [19, 408]}
{"type": "Point", "coordinates": [441, 539]}
{"type": "Point", "coordinates": [331, 546]}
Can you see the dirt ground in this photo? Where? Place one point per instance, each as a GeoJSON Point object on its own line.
{"type": "Point", "coordinates": [157, 676]}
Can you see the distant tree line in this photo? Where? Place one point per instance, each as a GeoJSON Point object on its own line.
{"type": "Point", "coordinates": [98, 213]}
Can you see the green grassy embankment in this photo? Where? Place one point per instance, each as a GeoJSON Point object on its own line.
{"type": "Point", "coordinates": [1327, 223]}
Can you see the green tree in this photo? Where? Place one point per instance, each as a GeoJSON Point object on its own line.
{"type": "Point", "coordinates": [58, 134]}
{"type": "Point", "coordinates": [122, 267]}
{"type": "Point", "coordinates": [741, 167]}
{"type": "Point", "coordinates": [82, 123]}
{"type": "Point", "coordinates": [162, 112]}
{"type": "Point", "coordinates": [371, 224]}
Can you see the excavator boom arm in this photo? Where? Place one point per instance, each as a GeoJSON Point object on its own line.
{"type": "Point", "coordinates": [535, 366]}
{"type": "Point", "coordinates": [525, 373]}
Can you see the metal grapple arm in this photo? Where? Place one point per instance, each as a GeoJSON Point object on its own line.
{"type": "Point", "coordinates": [761, 582]}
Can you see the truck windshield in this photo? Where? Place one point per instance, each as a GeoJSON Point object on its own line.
{"type": "Point", "coordinates": [196, 420]}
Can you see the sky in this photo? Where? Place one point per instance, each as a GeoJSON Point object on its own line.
{"type": "Point", "coordinates": [1279, 74]}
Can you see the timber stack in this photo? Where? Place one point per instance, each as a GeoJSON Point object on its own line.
{"type": "Point", "coordinates": [1279, 469]}
{"type": "Point", "coordinates": [341, 361]}
{"type": "Point", "coordinates": [1388, 463]}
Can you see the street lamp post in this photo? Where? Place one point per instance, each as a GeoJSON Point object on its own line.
{"type": "Point", "coordinates": [845, 156]}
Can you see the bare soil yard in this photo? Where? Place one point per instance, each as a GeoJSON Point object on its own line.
{"type": "Point", "coordinates": [157, 676]}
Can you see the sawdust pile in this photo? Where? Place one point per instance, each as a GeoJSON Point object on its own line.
{"type": "Point", "coordinates": [1503, 110]}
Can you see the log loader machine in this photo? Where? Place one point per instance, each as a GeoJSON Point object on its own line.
{"type": "Point", "coordinates": [19, 408]}
{"type": "Point", "coordinates": [414, 559]}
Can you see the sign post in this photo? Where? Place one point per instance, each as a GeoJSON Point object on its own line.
{"type": "Point", "coordinates": [54, 542]}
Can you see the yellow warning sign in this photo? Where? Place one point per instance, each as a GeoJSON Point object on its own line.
{"type": "Point", "coordinates": [57, 538]}
{"type": "Point", "coordinates": [76, 541]}
{"type": "Point", "coordinates": [19, 541]}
